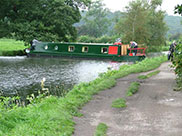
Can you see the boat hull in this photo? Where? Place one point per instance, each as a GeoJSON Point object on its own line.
{"type": "Point", "coordinates": [88, 57]}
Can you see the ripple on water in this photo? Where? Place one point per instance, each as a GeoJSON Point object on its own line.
{"type": "Point", "coordinates": [21, 73]}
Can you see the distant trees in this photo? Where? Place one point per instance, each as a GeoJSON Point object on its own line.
{"type": "Point", "coordinates": [95, 21]}
{"type": "Point", "coordinates": [143, 23]}
{"type": "Point", "coordinates": [46, 20]}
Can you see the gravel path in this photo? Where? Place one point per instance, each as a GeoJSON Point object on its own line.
{"type": "Point", "coordinates": [156, 110]}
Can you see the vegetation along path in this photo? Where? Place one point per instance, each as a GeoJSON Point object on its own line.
{"type": "Point", "coordinates": [154, 110]}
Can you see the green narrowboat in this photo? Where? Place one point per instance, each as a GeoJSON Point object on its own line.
{"type": "Point", "coordinates": [114, 52]}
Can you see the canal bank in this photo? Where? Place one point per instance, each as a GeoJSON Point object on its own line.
{"type": "Point", "coordinates": [154, 110]}
{"type": "Point", "coordinates": [54, 116]}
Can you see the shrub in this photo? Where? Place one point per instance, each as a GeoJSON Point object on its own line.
{"type": "Point", "coordinates": [103, 39]}
{"type": "Point", "coordinates": [177, 63]}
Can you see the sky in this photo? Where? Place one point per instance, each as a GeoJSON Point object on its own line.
{"type": "Point", "coordinates": [114, 5]}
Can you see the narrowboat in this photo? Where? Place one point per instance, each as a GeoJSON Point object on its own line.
{"type": "Point", "coordinates": [114, 52]}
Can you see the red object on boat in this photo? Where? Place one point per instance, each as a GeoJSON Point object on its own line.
{"type": "Point", "coordinates": [139, 51]}
{"type": "Point", "coordinates": [117, 43]}
{"type": "Point", "coordinates": [113, 50]}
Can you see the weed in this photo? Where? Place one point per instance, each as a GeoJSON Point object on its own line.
{"type": "Point", "coordinates": [101, 130]}
{"type": "Point", "coordinates": [133, 88]}
{"type": "Point", "coordinates": [148, 75]}
{"type": "Point", "coordinates": [119, 103]}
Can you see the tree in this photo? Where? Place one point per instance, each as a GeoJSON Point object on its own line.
{"type": "Point", "coordinates": [133, 24]}
{"type": "Point", "coordinates": [156, 25]}
{"type": "Point", "coordinates": [143, 23]}
{"type": "Point", "coordinates": [95, 21]}
{"type": "Point", "coordinates": [178, 9]}
{"type": "Point", "coordinates": [46, 20]}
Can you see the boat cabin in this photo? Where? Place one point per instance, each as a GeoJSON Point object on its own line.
{"type": "Point", "coordinates": [85, 50]}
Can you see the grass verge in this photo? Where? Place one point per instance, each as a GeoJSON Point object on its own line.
{"type": "Point", "coordinates": [53, 115]}
{"type": "Point", "coordinates": [133, 88]}
{"type": "Point", "coordinates": [101, 130]}
{"type": "Point", "coordinates": [119, 103]}
{"type": "Point", "coordinates": [149, 75]}
{"type": "Point", "coordinates": [10, 47]}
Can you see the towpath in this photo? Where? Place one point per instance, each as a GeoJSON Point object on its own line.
{"type": "Point", "coordinates": [155, 110]}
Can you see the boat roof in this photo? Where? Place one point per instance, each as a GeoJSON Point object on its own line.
{"type": "Point", "coordinates": [78, 43]}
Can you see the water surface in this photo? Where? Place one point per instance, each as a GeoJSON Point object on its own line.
{"type": "Point", "coordinates": [23, 75]}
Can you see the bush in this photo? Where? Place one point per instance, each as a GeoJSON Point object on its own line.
{"type": "Point", "coordinates": [13, 53]}
{"type": "Point", "coordinates": [177, 63]}
{"type": "Point", "coordinates": [103, 39]}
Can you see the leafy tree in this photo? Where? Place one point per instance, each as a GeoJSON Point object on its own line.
{"type": "Point", "coordinates": [46, 20]}
{"type": "Point", "coordinates": [95, 21]}
{"type": "Point", "coordinates": [143, 23]}
{"type": "Point", "coordinates": [156, 25]}
{"type": "Point", "coordinates": [133, 25]}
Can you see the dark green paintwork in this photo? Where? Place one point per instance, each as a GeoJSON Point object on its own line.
{"type": "Point", "coordinates": [94, 51]}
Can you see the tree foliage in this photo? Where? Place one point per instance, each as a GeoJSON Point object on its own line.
{"type": "Point", "coordinates": [133, 25]}
{"type": "Point", "coordinates": [143, 23]}
{"type": "Point", "coordinates": [178, 9]}
{"type": "Point", "coordinates": [46, 20]}
{"type": "Point", "coordinates": [177, 62]}
{"type": "Point", "coordinates": [95, 21]}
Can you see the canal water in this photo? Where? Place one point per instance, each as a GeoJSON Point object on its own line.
{"type": "Point", "coordinates": [22, 75]}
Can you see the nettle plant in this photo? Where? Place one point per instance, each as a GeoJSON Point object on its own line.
{"type": "Point", "coordinates": [177, 62]}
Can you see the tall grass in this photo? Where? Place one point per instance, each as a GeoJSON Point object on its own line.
{"type": "Point", "coordinates": [53, 115]}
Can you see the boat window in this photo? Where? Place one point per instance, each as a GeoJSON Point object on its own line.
{"type": "Point", "coordinates": [71, 48]}
{"type": "Point", "coordinates": [85, 49]}
{"type": "Point", "coordinates": [104, 50]}
{"type": "Point", "coordinates": [46, 47]}
{"type": "Point", "coordinates": [56, 48]}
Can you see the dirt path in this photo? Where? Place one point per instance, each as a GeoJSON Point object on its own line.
{"type": "Point", "coordinates": [156, 110]}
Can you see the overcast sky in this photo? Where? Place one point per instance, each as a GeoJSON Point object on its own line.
{"type": "Point", "coordinates": [168, 5]}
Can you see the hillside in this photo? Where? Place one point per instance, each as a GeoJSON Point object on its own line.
{"type": "Point", "coordinates": [174, 24]}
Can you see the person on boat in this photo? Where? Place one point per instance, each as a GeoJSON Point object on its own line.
{"type": "Point", "coordinates": [134, 45]}
{"type": "Point", "coordinates": [171, 50]}
{"type": "Point", "coordinates": [32, 44]}
{"type": "Point", "coordinates": [118, 42]}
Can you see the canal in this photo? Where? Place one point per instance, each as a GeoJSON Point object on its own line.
{"type": "Point", "coordinates": [22, 76]}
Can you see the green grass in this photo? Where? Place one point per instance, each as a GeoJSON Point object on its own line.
{"type": "Point", "coordinates": [53, 115]}
{"type": "Point", "coordinates": [133, 88]}
{"type": "Point", "coordinates": [149, 75]}
{"type": "Point", "coordinates": [9, 45]}
{"type": "Point", "coordinates": [101, 130]}
{"type": "Point", "coordinates": [119, 103]}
